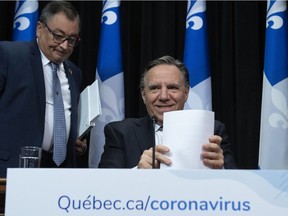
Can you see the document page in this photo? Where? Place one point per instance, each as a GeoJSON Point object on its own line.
{"type": "Point", "coordinates": [184, 132]}
{"type": "Point", "coordinates": [89, 108]}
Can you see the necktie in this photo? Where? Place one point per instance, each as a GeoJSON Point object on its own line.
{"type": "Point", "coordinates": [59, 127]}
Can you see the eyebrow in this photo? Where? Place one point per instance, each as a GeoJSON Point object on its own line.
{"type": "Point", "coordinates": [62, 32]}
{"type": "Point", "coordinates": [174, 85]}
{"type": "Point", "coordinates": [168, 85]}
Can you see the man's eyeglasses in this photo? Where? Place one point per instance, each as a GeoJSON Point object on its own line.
{"type": "Point", "coordinates": [59, 39]}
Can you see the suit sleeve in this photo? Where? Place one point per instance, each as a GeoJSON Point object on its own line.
{"type": "Point", "coordinates": [229, 162]}
{"type": "Point", "coordinates": [114, 152]}
{"type": "Point", "coordinates": [3, 69]}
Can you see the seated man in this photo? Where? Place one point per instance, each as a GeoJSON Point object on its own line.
{"type": "Point", "coordinates": [164, 87]}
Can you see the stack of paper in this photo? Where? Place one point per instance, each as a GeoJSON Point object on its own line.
{"type": "Point", "coordinates": [184, 132]}
{"type": "Point", "coordinates": [89, 108]}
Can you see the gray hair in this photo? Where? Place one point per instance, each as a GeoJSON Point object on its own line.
{"type": "Point", "coordinates": [55, 7]}
{"type": "Point", "coordinates": [168, 60]}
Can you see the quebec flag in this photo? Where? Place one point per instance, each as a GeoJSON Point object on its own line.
{"type": "Point", "coordinates": [196, 57]}
{"type": "Point", "coordinates": [25, 20]}
{"type": "Point", "coordinates": [273, 152]}
{"type": "Point", "coordinates": [110, 78]}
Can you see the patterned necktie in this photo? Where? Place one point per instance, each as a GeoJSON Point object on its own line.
{"type": "Point", "coordinates": [59, 127]}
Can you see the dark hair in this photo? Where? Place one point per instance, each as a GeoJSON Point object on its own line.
{"type": "Point", "coordinates": [55, 7]}
{"type": "Point", "coordinates": [168, 60]}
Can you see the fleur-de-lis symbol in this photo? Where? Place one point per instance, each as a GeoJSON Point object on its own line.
{"type": "Point", "coordinates": [109, 17]}
{"type": "Point", "coordinates": [192, 18]}
{"type": "Point", "coordinates": [280, 102]}
{"type": "Point", "coordinates": [20, 21]}
{"type": "Point", "coordinates": [275, 21]}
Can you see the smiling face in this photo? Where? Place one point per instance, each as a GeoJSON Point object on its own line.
{"type": "Point", "coordinates": [60, 25]}
{"type": "Point", "coordinates": [164, 90]}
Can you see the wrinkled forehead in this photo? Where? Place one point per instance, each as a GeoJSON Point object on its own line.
{"type": "Point", "coordinates": [164, 74]}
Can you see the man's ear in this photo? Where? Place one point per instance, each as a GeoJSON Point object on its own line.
{"type": "Point", "coordinates": [39, 28]}
{"type": "Point", "coordinates": [143, 96]}
{"type": "Point", "coordinates": [187, 93]}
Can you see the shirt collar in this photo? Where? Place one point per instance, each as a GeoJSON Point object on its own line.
{"type": "Point", "coordinates": [157, 127]}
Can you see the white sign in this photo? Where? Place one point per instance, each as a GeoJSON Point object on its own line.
{"type": "Point", "coordinates": [119, 192]}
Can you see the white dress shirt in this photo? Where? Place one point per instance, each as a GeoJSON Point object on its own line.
{"type": "Point", "coordinates": [47, 144]}
{"type": "Point", "coordinates": [158, 135]}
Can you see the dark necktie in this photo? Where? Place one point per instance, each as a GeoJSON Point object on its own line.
{"type": "Point", "coordinates": [59, 127]}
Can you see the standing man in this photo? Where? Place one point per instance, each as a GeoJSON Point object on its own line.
{"type": "Point", "coordinates": [29, 74]}
{"type": "Point", "coordinates": [164, 87]}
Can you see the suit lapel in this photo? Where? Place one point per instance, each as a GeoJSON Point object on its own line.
{"type": "Point", "coordinates": [37, 70]}
{"type": "Point", "coordinates": [144, 133]}
{"type": "Point", "coordinates": [69, 75]}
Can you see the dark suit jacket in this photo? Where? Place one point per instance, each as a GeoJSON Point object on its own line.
{"type": "Point", "coordinates": [22, 102]}
{"type": "Point", "coordinates": [126, 140]}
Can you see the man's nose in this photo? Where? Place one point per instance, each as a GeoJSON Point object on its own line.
{"type": "Point", "coordinates": [164, 94]}
{"type": "Point", "coordinates": [65, 44]}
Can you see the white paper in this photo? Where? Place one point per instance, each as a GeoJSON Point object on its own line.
{"type": "Point", "coordinates": [89, 108]}
{"type": "Point", "coordinates": [184, 132]}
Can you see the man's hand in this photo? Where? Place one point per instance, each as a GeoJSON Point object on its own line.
{"type": "Point", "coordinates": [81, 146]}
{"type": "Point", "coordinates": [212, 153]}
{"type": "Point", "coordinates": [146, 158]}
